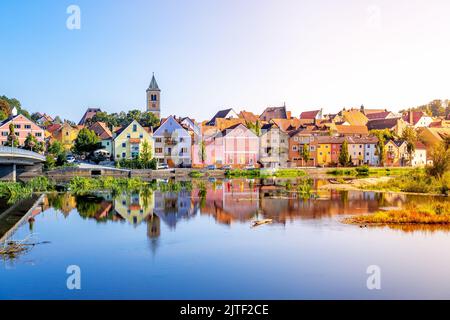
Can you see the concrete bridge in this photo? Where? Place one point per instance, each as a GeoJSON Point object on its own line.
{"type": "Point", "coordinates": [16, 162]}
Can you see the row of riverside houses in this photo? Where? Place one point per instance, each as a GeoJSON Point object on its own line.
{"type": "Point", "coordinates": [274, 139]}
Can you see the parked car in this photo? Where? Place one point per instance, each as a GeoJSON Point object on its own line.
{"type": "Point", "coordinates": [70, 159]}
{"type": "Point", "coordinates": [226, 167]}
{"type": "Point", "coordinates": [250, 167]}
{"type": "Point", "coordinates": [163, 166]}
{"type": "Point", "coordinates": [211, 167]}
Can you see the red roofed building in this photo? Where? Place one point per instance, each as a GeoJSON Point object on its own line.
{"type": "Point", "coordinates": [312, 115]}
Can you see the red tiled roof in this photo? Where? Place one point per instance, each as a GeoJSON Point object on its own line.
{"type": "Point", "coordinates": [101, 130]}
{"type": "Point", "coordinates": [378, 115]}
{"type": "Point", "coordinates": [341, 129]}
{"type": "Point", "coordinates": [248, 116]}
{"type": "Point", "coordinates": [416, 115]}
{"type": "Point", "coordinates": [309, 114]}
{"type": "Point", "coordinates": [54, 127]}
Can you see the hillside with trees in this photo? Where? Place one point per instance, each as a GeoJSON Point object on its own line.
{"type": "Point", "coordinates": [436, 108]}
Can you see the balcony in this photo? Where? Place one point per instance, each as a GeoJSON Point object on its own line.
{"type": "Point", "coordinates": [170, 142]}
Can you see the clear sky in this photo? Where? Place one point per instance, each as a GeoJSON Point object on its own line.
{"type": "Point", "coordinates": [212, 54]}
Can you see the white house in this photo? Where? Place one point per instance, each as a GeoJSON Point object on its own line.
{"type": "Point", "coordinates": [420, 156]}
{"type": "Point", "coordinates": [417, 119]}
{"type": "Point", "coordinates": [370, 151]}
{"type": "Point", "coordinates": [172, 143]}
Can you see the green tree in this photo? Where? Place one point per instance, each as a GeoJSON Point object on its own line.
{"type": "Point", "coordinates": [410, 137]}
{"type": "Point", "coordinates": [305, 154]}
{"type": "Point", "coordinates": [49, 162]}
{"type": "Point", "coordinates": [5, 110]}
{"type": "Point", "coordinates": [382, 136]}
{"type": "Point", "coordinates": [12, 140]}
{"type": "Point", "coordinates": [148, 119]}
{"type": "Point", "coordinates": [57, 120]}
{"type": "Point", "coordinates": [440, 155]}
{"type": "Point", "coordinates": [31, 143]}
{"type": "Point", "coordinates": [344, 156]}
{"type": "Point", "coordinates": [55, 148]}
{"type": "Point", "coordinates": [145, 156]}
{"type": "Point", "coordinates": [202, 152]}
{"type": "Point", "coordinates": [14, 103]}
{"type": "Point", "coordinates": [86, 142]}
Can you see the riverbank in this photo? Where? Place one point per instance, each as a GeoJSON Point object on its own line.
{"type": "Point", "coordinates": [435, 213]}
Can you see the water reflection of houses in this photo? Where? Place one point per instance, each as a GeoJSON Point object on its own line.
{"type": "Point", "coordinates": [134, 207]}
{"type": "Point", "coordinates": [328, 204]}
{"type": "Point", "coordinates": [171, 207]}
{"type": "Point", "coordinates": [236, 200]}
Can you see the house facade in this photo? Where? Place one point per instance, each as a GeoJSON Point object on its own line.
{"type": "Point", "coordinates": [395, 153]}
{"type": "Point", "coordinates": [240, 146]}
{"type": "Point", "coordinates": [273, 147]}
{"type": "Point", "coordinates": [173, 143]}
{"type": "Point", "coordinates": [66, 135]}
{"type": "Point", "coordinates": [104, 134]}
{"type": "Point", "coordinates": [297, 139]}
{"type": "Point", "coordinates": [128, 142]}
{"type": "Point", "coordinates": [22, 128]}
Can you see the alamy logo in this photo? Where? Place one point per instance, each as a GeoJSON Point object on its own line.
{"type": "Point", "coordinates": [74, 279]}
{"type": "Point", "coordinates": [73, 22]}
{"type": "Point", "coordinates": [374, 279]}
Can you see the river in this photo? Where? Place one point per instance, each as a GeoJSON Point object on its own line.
{"type": "Point", "coordinates": [180, 245]}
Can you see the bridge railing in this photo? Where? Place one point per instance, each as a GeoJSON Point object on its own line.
{"type": "Point", "coordinates": [21, 152]}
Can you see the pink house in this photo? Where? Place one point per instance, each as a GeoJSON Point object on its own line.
{"type": "Point", "coordinates": [22, 127]}
{"type": "Point", "coordinates": [236, 146]}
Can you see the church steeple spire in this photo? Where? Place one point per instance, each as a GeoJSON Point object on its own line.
{"type": "Point", "coordinates": [153, 97]}
{"type": "Point", "coordinates": [153, 84]}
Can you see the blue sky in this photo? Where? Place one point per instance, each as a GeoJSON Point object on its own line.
{"type": "Point", "coordinates": [212, 54]}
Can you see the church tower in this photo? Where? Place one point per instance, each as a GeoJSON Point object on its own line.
{"type": "Point", "coordinates": [153, 98]}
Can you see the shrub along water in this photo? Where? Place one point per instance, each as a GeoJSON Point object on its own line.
{"type": "Point", "coordinates": [435, 212]}
{"type": "Point", "coordinates": [416, 181]}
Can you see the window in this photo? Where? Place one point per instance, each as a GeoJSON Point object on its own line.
{"type": "Point", "coordinates": [124, 155]}
{"type": "Point", "coordinates": [107, 143]}
{"type": "Point", "coordinates": [38, 134]}
{"type": "Point", "coordinates": [134, 127]}
{"type": "Point", "coordinates": [128, 136]}
{"type": "Point", "coordinates": [17, 126]}
{"type": "Point", "coordinates": [5, 133]}
{"type": "Point", "coordinates": [141, 136]}
{"type": "Point", "coordinates": [158, 140]}
{"type": "Point", "coordinates": [313, 148]}
{"type": "Point", "coordinates": [158, 150]}
{"type": "Point", "coordinates": [67, 133]}
{"type": "Point", "coordinates": [294, 148]}
{"type": "Point", "coordinates": [181, 139]}
{"type": "Point", "coordinates": [124, 145]}
{"type": "Point", "coordinates": [28, 126]}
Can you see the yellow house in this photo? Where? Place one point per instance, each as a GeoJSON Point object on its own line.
{"type": "Point", "coordinates": [135, 207]}
{"type": "Point", "coordinates": [66, 134]}
{"type": "Point", "coordinates": [323, 153]}
{"type": "Point", "coordinates": [128, 141]}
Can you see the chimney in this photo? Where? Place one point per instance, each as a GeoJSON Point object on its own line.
{"type": "Point", "coordinates": [411, 117]}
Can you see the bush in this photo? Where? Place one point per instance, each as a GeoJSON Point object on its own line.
{"type": "Point", "coordinates": [196, 174]}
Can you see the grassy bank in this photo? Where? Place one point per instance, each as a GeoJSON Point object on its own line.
{"type": "Point", "coordinates": [365, 171]}
{"type": "Point", "coordinates": [14, 191]}
{"type": "Point", "coordinates": [258, 173]}
{"type": "Point", "coordinates": [415, 181]}
{"type": "Point", "coordinates": [435, 212]}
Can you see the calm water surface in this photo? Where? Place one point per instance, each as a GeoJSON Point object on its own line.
{"type": "Point", "coordinates": [177, 245]}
